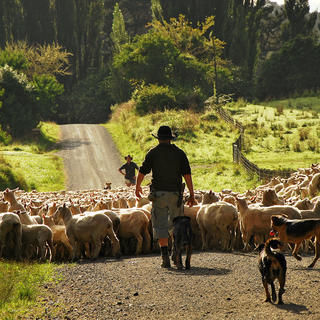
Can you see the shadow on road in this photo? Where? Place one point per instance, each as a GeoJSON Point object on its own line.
{"type": "Point", "coordinates": [70, 144]}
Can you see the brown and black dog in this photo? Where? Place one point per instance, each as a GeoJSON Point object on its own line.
{"type": "Point", "coordinates": [295, 231]}
{"type": "Point", "coordinates": [272, 266]}
{"type": "Point", "coordinates": [182, 239]}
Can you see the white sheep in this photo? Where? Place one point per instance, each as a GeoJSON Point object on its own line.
{"type": "Point", "coordinates": [87, 228]}
{"type": "Point", "coordinates": [36, 238]}
{"type": "Point", "coordinates": [10, 235]}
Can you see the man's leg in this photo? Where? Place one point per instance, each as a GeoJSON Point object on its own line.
{"type": "Point", "coordinates": [160, 225]}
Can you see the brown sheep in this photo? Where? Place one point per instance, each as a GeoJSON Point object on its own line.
{"type": "Point", "coordinates": [135, 223]}
{"type": "Point", "coordinates": [4, 205]}
{"type": "Point", "coordinates": [9, 196]}
{"type": "Point", "coordinates": [63, 248]}
{"type": "Point", "coordinates": [270, 198]}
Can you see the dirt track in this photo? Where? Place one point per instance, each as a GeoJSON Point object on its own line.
{"type": "Point", "coordinates": [90, 157]}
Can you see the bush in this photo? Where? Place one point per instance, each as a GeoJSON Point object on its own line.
{"type": "Point", "coordinates": [19, 112]}
{"type": "Point", "coordinates": [13, 58]}
{"type": "Point", "coordinates": [153, 98]}
{"type": "Point", "coordinates": [47, 89]}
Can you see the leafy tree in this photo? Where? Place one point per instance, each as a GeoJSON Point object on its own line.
{"type": "Point", "coordinates": [47, 89]}
{"type": "Point", "coordinates": [156, 10]}
{"type": "Point", "coordinates": [38, 21]}
{"type": "Point", "coordinates": [19, 111]}
{"type": "Point", "coordinates": [11, 21]}
{"type": "Point", "coordinates": [49, 59]}
{"type": "Point", "coordinates": [119, 35]}
{"type": "Point", "coordinates": [291, 70]}
{"type": "Point", "coordinates": [296, 11]}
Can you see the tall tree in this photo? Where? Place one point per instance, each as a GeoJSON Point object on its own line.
{"type": "Point", "coordinates": [119, 35]}
{"type": "Point", "coordinates": [38, 21]}
{"type": "Point", "coordinates": [11, 21]}
{"type": "Point", "coordinates": [298, 23]}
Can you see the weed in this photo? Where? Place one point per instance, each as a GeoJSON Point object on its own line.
{"type": "Point", "coordinates": [304, 133]}
{"type": "Point", "coordinates": [280, 110]}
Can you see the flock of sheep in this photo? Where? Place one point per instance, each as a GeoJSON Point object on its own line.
{"type": "Point", "coordinates": [68, 225]}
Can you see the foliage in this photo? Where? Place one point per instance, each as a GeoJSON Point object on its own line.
{"type": "Point", "coordinates": [153, 98]}
{"type": "Point", "coordinates": [19, 112]}
{"type": "Point", "coordinates": [293, 69]}
{"type": "Point", "coordinates": [50, 59]}
{"type": "Point", "coordinates": [89, 101]}
{"type": "Point", "coordinates": [13, 58]}
{"type": "Point", "coordinates": [187, 39]}
{"type": "Point", "coordinates": [298, 24]}
{"type": "Point", "coordinates": [47, 90]}
{"type": "Point", "coordinates": [119, 35]}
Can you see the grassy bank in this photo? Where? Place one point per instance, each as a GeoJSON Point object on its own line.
{"type": "Point", "coordinates": [19, 286]}
{"type": "Point", "coordinates": [31, 163]}
{"type": "Point", "coordinates": [278, 135]}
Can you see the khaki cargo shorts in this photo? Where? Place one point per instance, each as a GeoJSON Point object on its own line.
{"type": "Point", "coordinates": [164, 210]}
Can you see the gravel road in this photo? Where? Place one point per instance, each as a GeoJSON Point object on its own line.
{"type": "Point", "coordinates": [218, 286]}
{"type": "Point", "coordinates": [90, 157]}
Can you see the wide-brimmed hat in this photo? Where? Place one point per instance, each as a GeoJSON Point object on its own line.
{"type": "Point", "coordinates": [128, 156]}
{"type": "Point", "coordinates": [165, 133]}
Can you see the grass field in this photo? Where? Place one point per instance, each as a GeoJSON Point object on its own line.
{"type": "Point", "coordinates": [31, 162]}
{"type": "Point", "coordinates": [278, 135]}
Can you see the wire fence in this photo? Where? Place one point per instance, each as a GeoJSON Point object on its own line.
{"type": "Point", "coordinates": [237, 146]}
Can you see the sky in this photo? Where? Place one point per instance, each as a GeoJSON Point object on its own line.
{"type": "Point", "coordinates": [314, 4]}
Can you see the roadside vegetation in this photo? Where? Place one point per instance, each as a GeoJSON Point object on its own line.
{"type": "Point", "coordinates": [279, 135]}
{"type": "Point", "coordinates": [19, 286]}
{"type": "Point", "coordinates": [30, 162]}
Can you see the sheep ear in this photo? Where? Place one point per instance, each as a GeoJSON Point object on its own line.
{"type": "Point", "coordinates": [210, 192]}
{"type": "Point", "coordinates": [64, 205]}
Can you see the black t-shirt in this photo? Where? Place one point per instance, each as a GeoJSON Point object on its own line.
{"type": "Point", "coordinates": [130, 169]}
{"type": "Point", "coordinates": [168, 164]}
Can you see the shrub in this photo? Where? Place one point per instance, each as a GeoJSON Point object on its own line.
{"type": "Point", "coordinates": [19, 112]}
{"type": "Point", "coordinates": [47, 89]}
{"type": "Point", "coordinates": [152, 98]}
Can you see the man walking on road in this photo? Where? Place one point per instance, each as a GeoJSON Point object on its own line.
{"type": "Point", "coordinates": [130, 171]}
{"type": "Point", "coordinates": [168, 164]}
